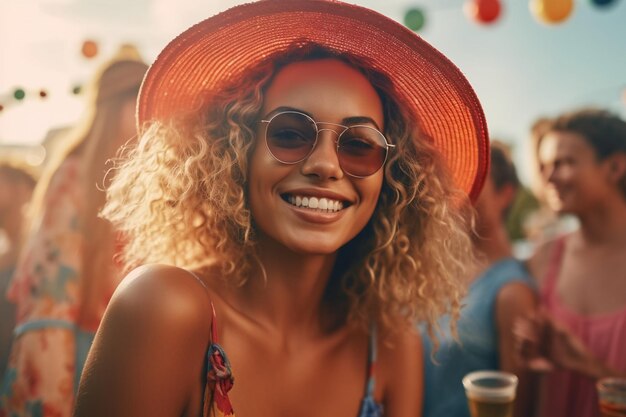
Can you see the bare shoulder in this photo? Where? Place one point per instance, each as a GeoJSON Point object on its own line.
{"type": "Point", "coordinates": [398, 352]}
{"type": "Point", "coordinates": [400, 362]}
{"type": "Point", "coordinates": [162, 293]}
{"type": "Point", "coordinates": [516, 293]}
{"type": "Point", "coordinates": [151, 344]}
{"type": "Point", "coordinates": [514, 300]}
{"type": "Point", "coordinates": [407, 342]}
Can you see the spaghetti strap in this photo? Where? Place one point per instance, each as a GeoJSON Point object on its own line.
{"type": "Point", "coordinates": [371, 362]}
{"type": "Point", "coordinates": [198, 279]}
{"type": "Point", "coordinates": [213, 314]}
{"type": "Point", "coordinates": [369, 406]}
{"type": "Point", "coordinates": [219, 376]}
{"type": "Point", "coordinates": [213, 325]}
{"type": "Point", "coordinates": [554, 265]}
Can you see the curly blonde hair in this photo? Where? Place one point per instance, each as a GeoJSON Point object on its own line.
{"type": "Point", "coordinates": [171, 190]}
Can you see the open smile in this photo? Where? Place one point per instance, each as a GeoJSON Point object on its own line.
{"type": "Point", "coordinates": [321, 204]}
{"type": "Point", "coordinates": [315, 208]}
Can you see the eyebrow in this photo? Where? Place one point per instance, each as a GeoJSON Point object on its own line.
{"type": "Point", "coordinates": [348, 121]}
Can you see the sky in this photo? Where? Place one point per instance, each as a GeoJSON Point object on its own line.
{"type": "Point", "coordinates": [520, 68]}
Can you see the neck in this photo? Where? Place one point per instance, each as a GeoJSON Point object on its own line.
{"type": "Point", "coordinates": [605, 224]}
{"type": "Point", "coordinates": [286, 295]}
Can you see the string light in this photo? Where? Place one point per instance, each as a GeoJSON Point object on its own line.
{"type": "Point", "coordinates": [414, 19]}
{"type": "Point", "coordinates": [551, 11]}
{"type": "Point", "coordinates": [603, 3]}
{"type": "Point", "coordinates": [483, 11]}
{"type": "Point", "coordinates": [19, 94]}
{"type": "Point", "coordinates": [89, 49]}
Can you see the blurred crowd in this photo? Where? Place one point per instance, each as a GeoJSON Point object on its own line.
{"type": "Point", "coordinates": [548, 302]}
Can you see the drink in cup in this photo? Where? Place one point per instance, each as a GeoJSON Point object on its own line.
{"type": "Point", "coordinates": [612, 397]}
{"type": "Point", "coordinates": [490, 393]}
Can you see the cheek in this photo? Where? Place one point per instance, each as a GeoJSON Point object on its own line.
{"type": "Point", "coordinates": [579, 175]}
{"type": "Point", "coordinates": [370, 192]}
{"type": "Point", "coordinates": [260, 159]}
{"type": "Point", "coordinates": [263, 174]}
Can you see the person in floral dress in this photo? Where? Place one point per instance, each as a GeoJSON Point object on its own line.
{"type": "Point", "coordinates": [66, 273]}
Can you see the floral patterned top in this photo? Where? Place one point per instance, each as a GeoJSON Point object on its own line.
{"type": "Point", "coordinates": [49, 349]}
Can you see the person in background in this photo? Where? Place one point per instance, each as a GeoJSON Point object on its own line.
{"type": "Point", "coordinates": [66, 274]}
{"type": "Point", "coordinates": [294, 211]}
{"type": "Point", "coordinates": [500, 292]}
{"type": "Point", "coordinates": [542, 224]}
{"type": "Point", "coordinates": [537, 130]}
{"type": "Point", "coordinates": [579, 335]}
{"type": "Point", "coordinates": [17, 182]}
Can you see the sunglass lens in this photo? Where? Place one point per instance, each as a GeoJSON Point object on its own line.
{"type": "Point", "coordinates": [290, 136]}
{"type": "Point", "coordinates": [362, 151]}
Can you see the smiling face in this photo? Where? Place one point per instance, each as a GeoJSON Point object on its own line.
{"type": "Point", "coordinates": [313, 206]}
{"type": "Point", "coordinates": [575, 180]}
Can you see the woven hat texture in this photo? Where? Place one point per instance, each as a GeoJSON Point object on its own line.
{"type": "Point", "coordinates": [223, 47]}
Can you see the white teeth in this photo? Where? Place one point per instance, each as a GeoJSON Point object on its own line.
{"type": "Point", "coordinates": [321, 204]}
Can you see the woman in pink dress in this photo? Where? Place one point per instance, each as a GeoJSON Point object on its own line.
{"type": "Point", "coordinates": [580, 335]}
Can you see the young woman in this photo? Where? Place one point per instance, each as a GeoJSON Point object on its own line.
{"type": "Point", "coordinates": [581, 334]}
{"type": "Point", "coordinates": [65, 274]}
{"type": "Point", "coordinates": [306, 180]}
{"type": "Point", "coordinates": [16, 188]}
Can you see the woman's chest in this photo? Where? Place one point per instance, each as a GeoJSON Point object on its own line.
{"type": "Point", "coordinates": [272, 380]}
{"type": "Point", "coordinates": [592, 284]}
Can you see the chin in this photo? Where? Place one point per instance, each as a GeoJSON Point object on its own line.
{"type": "Point", "coordinates": [313, 248]}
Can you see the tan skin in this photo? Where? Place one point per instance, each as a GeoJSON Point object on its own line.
{"type": "Point", "coordinates": [591, 280]}
{"type": "Point", "coordinates": [515, 299]}
{"type": "Point", "coordinates": [148, 356]}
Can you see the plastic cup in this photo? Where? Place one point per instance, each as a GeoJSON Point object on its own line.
{"type": "Point", "coordinates": [612, 397]}
{"type": "Point", "coordinates": [490, 393]}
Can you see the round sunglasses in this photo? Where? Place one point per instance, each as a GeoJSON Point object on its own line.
{"type": "Point", "coordinates": [290, 137]}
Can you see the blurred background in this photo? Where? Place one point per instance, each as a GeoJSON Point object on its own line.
{"type": "Point", "coordinates": [526, 58]}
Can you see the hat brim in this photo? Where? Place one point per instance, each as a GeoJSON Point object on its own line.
{"type": "Point", "coordinates": [225, 46]}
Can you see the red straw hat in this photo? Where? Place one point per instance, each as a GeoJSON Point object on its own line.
{"type": "Point", "coordinates": [225, 46]}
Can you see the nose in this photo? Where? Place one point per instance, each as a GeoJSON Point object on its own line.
{"type": "Point", "coordinates": [323, 162]}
